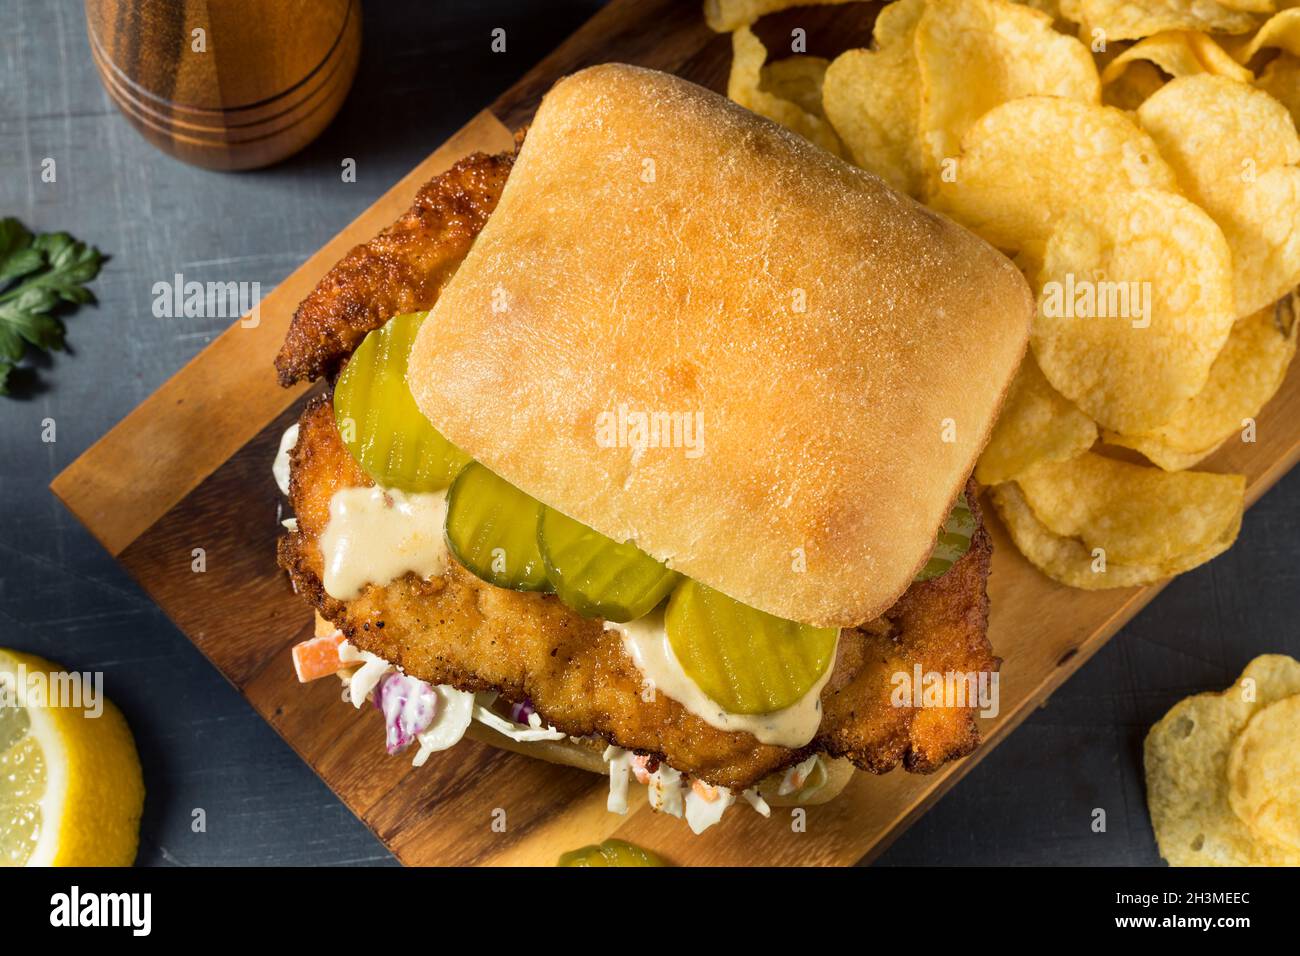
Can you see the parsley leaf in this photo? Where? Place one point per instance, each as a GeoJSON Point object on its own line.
{"type": "Point", "coordinates": [37, 274]}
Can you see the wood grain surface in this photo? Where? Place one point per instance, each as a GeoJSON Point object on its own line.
{"type": "Point", "coordinates": [190, 468]}
{"type": "Point", "coordinates": [232, 84]}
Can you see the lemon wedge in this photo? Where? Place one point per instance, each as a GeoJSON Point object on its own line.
{"type": "Point", "coordinates": [71, 791]}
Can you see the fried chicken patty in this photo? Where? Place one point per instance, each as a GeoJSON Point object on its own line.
{"type": "Point", "coordinates": [403, 269]}
{"type": "Point", "coordinates": [456, 629]}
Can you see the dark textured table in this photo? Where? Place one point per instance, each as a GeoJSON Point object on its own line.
{"type": "Point", "coordinates": [426, 68]}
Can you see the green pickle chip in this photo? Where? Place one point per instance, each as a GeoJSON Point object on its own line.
{"type": "Point", "coordinates": [379, 421]}
{"type": "Point", "coordinates": [746, 660]}
{"type": "Point", "coordinates": [492, 530]}
{"type": "Point", "coordinates": [954, 541]}
{"type": "Point", "coordinates": [597, 576]}
{"type": "Point", "coordinates": [611, 853]}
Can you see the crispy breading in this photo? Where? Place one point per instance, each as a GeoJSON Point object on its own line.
{"type": "Point", "coordinates": [403, 269]}
{"type": "Point", "coordinates": [458, 630]}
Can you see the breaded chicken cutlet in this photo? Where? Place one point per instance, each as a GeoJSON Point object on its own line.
{"type": "Point", "coordinates": [400, 270]}
{"type": "Point", "coordinates": [458, 630]}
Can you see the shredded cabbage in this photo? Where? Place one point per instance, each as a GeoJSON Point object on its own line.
{"type": "Point", "coordinates": [756, 801]}
{"type": "Point", "coordinates": [701, 812]}
{"type": "Point", "coordinates": [280, 467]}
{"type": "Point", "coordinates": [408, 705]}
{"type": "Point", "coordinates": [437, 716]}
{"type": "Point", "coordinates": [365, 678]}
{"type": "Point", "coordinates": [665, 791]}
{"type": "Point", "coordinates": [620, 767]}
{"type": "Point", "coordinates": [532, 731]}
{"type": "Point", "coordinates": [455, 711]}
{"type": "Point", "coordinates": [804, 778]}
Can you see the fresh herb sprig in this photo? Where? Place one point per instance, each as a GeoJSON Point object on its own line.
{"type": "Point", "coordinates": [37, 273]}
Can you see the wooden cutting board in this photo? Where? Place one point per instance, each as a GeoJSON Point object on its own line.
{"type": "Point", "coordinates": [190, 469]}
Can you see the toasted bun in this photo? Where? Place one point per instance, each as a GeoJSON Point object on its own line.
{"type": "Point", "coordinates": [586, 755]}
{"type": "Point", "coordinates": [661, 250]}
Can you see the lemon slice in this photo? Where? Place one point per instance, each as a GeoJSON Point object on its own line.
{"type": "Point", "coordinates": [71, 791]}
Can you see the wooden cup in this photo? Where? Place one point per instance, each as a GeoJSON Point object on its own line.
{"type": "Point", "coordinates": [226, 84]}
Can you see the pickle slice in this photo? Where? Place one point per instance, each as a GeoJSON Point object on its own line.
{"type": "Point", "coordinates": [954, 541]}
{"type": "Point", "coordinates": [379, 420]}
{"type": "Point", "coordinates": [597, 576]}
{"type": "Point", "coordinates": [492, 530]}
{"type": "Point", "coordinates": [746, 660]}
{"type": "Point", "coordinates": [611, 853]}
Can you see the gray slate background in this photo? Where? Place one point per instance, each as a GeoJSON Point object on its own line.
{"type": "Point", "coordinates": [426, 69]}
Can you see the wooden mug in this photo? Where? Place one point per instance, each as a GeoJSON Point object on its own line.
{"type": "Point", "coordinates": [226, 84]}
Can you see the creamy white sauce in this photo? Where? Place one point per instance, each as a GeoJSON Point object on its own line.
{"type": "Point", "coordinates": [646, 642]}
{"type": "Point", "coordinates": [375, 535]}
{"type": "Point", "coordinates": [280, 467]}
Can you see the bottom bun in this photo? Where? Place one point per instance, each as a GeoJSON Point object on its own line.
{"type": "Point", "coordinates": [570, 753]}
{"type": "Point", "coordinates": [587, 754]}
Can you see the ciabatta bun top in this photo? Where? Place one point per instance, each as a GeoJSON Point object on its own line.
{"type": "Point", "coordinates": [818, 358]}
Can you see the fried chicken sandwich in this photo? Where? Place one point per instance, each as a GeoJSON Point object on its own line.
{"type": "Point", "coordinates": [647, 449]}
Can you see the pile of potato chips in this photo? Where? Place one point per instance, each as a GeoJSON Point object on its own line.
{"type": "Point", "coordinates": [1223, 772]}
{"type": "Point", "coordinates": [1139, 161]}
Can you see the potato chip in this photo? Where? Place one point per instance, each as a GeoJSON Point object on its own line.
{"type": "Point", "coordinates": [1178, 53]}
{"type": "Point", "coordinates": [1247, 373]}
{"type": "Point", "coordinates": [1129, 20]}
{"type": "Point", "coordinates": [797, 79]}
{"type": "Point", "coordinates": [1064, 560]}
{"type": "Point", "coordinates": [1216, 59]}
{"type": "Point", "coordinates": [1281, 31]}
{"type": "Point", "coordinates": [1264, 774]}
{"type": "Point", "coordinates": [1251, 6]}
{"type": "Point", "coordinates": [1068, 561]}
{"type": "Point", "coordinates": [1135, 303]}
{"type": "Point", "coordinates": [977, 54]}
{"type": "Point", "coordinates": [1050, 7]}
{"type": "Point", "coordinates": [1235, 150]}
{"type": "Point", "coordinates": [1064, 13]}
{"type": "Point", "coordinates": [1137, 515]}
{"type": "Point", "coordinates": [745, 87]}
{"type": "Point", "coordinates": [1280, 79]}
{"type": "Point", "coordinates": [1131, 88]}
{"type": "Point", "coordinates": [1026, 163]}
{"type": "Point", "coordinates": [1036, 424]}
{"type": "Point", "coordinates": [1186, 756]}
{"type": "Point", "coordinates": [873, 100]}
{"type": "Point", "coordinates": [727, 15]}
